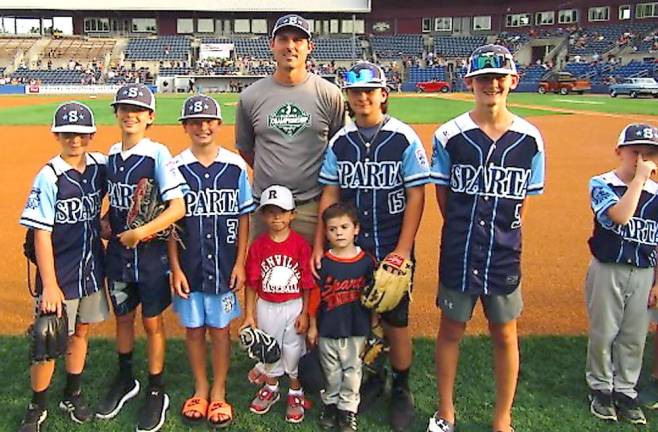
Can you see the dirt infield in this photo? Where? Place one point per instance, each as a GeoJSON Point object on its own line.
{"type": "Point", "coordinates": [555, 233]}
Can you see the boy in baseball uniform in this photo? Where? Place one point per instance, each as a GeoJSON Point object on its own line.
{"type": "Point", "coordinates": [206, 274]}
{"type": "Point", "coordinates": [278, 275]}
{"type": "Point", "coordinates": [63, 209]}
{"type": "Point", "coordinates": [341, 323]}
{"type": "Point", "coordinates": [378, 165]}
{"type": "Point", "coordinates": [621, 277]}
{"type": "Point", "coordinates": [138, 271]}
{"type": "Point", "coordinates": [484, 164]}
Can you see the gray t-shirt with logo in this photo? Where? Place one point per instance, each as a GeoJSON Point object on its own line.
{"type": "Point", "coordinates": [288, 128]}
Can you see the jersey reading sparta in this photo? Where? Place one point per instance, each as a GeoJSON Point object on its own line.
{"type": "Point", "coordinates": [373, 176]}
{"type": "Point", "coordinates": [488, 183]}
{"type": "Point", "coordinates": [341, 314]}
{"type": "Point", "coordinates": [633, 243]}
{"type": "Point", "coordinates": [67, 203]}
{"type": "Point", "coordinates": [215, 198]}
{"type": "Point", "coordinates": [147, 159]}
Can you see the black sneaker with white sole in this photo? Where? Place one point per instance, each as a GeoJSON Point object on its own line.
{"type": "Point", "coordinates": [152, 414]}
{"type": "Point", "coordinates": [601, 406]}
{"type": "Point", "coordinates": [402, 409]}
{"type": "Point", "coordinates": [629, 409]}
{"type": "Point", "coordinates": [120, 392]}
{"type": "Point", "coordinates": [77, 408]}
{"type": "Point", "coordinates": [33, 418]}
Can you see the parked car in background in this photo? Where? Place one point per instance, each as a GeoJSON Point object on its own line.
{"type": "Point", "coordinates": [433, 86]}
{"type": "Point", "coordinates": [563, 83]}
{"type": "Point", "coordinates": [635, 87]}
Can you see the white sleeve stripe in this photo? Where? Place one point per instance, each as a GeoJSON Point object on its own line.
{"type": "Point", "coordinates": [536, 186]}
{"type": "Point", "coordinates": [420, 176]}
{"type": "Point", "coordinates": [31, 223]}
{"type": "Point", "coordinates": [439, 175]}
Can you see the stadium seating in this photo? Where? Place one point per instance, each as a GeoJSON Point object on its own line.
{"type": "Point", "coordinates": [10, 46]}
{"type": "Point", "coordinates": [602, 39]}
{"type": "Point", "coordinates": [532, 73]}
{"type": "Point", "coordinates": [636, 68]}
{"type": "Point", "coordinates": [56, 76]}
{"type": "Point", "coordinates": [81, 50]}
{"type": "Point", "coordinates": [257, 48]}
{"type": "Point", "coordinates": [392, 47]}
{"type": "Point", "coordinates": [327, 48]}
{"type": "Point", "coordinates": [417, 74]}
{"type": "Point", "coordinates": [160, 48]}
{"type": "Point", "coordinates": [454, 46]}
{"type": "Point", "coordinates": [173, 71]}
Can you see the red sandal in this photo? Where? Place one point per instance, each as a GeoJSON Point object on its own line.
{"type": "Point", "coordinates": [194, 405]}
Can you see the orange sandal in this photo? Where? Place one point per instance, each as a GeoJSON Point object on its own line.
{"type": "Point", "coordinates": [223, 412]}
{"type": "Point", "coordinates": [194, 405]}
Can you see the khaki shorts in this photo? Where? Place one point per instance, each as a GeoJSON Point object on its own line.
{"type": "Point", "coordinates": [306, 219]}
{"type": "Point", "coordinates": [498, 309]}
{"type": "Point", "coordinates": [90, 309]}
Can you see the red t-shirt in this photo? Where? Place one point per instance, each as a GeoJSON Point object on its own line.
{"type": "Point", "coordinates": [279, 271]}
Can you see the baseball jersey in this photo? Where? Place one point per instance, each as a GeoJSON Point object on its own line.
{"type": "Point", "coordinates": [288, 127]}
{"type": "Point", "coordinates": [341, 313]}
{"type": "Point", "coordinates": [373, 177]}
{"type": "Point", "coordinates": [279, 271]}
{"type": "Point", "coordinates": [67, 203]}
{"type": "Point", "coordinates": [215, 198]}
{"type": "Point", "coordinates": [633, 243]}
{"type": "Point", "coordinates": [487, 184]}
{"type": "Point", "coordinates": [147, 159]}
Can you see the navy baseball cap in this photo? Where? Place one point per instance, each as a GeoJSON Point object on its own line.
{"type": "Point", "coordinates": [491, 59]}
{"type": "Point", "coordinates": [135, 94]}
{"type": "Point", "coordinates": [200, 107]}
{"type": "Point", "coordinates": [73, 117]}
{"type": "Point", "coordinates": [638, 133]}
{"type": "Point", "coordinates": [364, 75]}
{"type": "Point", "coordinates": [294, 21]}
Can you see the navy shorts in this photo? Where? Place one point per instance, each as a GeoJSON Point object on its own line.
{"type": "Point", "coordinates": [154, 295]}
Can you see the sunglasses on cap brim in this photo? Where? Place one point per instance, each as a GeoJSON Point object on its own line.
{"type": "Point", "coordinates": [492, 61]}
{"type": "Point", "coordinates": [365, 77]}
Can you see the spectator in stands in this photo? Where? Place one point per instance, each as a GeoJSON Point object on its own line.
{"type": "Point", "coordinates": [283, 125]}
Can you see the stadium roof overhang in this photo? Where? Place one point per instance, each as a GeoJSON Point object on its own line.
{"type": "Point", "coordinates": [279, 6]}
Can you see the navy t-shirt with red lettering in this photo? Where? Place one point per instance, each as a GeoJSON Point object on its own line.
{"type": "Point", "coordinates": [341, 314]}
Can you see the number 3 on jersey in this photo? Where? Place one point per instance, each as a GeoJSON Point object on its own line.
{"type": "Point", "coordinates": [517, 216]}
{"type": "Point", "coordinates": [232, 228]}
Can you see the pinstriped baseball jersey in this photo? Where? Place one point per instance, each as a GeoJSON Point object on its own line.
{"type": "Point", "coordinates": [67, 203]}
{"type": "Point", "coordinates": [633, 243]}
{"type": "Point", "coordinates": [488, 183]}
{"type": "Point", "coordinates": [124, 169]}
{"type": "Point", "coordinates": [215, 198]}
{"type": "Point", "coordinates": [373, 177]}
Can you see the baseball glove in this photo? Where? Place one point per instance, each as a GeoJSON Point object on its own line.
{"type": "Point", "coordinates": [48, 337]}
{"type": "Point", "coordinates": [260, 345]}
{"type": "Point", "coordinates": [146, 206]}
{"type": "Point", "coordinates": [310, 372]}
{"type": "Point", "coordinates": [374, 354]}
{"type": "Point", "coordinates": [392, 281]}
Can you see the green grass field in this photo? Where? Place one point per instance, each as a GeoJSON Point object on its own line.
{"type": "Point", "coordinates": [551, 394]}
{"type": "Point", "coordinates": [414, 110]}
{"type": "Point", "coordinates": [411, 110]}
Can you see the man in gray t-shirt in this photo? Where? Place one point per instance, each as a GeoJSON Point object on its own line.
{"type": "Point", "coordinates": [284, 122]}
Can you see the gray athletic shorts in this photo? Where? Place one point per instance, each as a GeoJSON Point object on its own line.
{"type": "Point", "coordinates": [498, 309]}
{"type": "Point", "coordinates": [90, 309]}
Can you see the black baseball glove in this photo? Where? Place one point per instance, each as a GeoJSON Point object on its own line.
{"type": "Point", "coordinates": [48, 337]}
{"type": "Point", "coordinates": [260, 345]}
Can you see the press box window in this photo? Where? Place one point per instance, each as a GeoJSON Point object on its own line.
{"type": "Point", "coordinates": [598, 14]}
{"type": "Point", "coordinates": [482, 23]}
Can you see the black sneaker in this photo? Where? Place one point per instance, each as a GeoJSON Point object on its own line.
{"type": "Point", "coordinates": [120, 392]}
{"type": "Point", "coordinates": [33, 418]}
{"type": "Point", "coordinates": [152, 415]}
{"type": "Point", "coordinates": [601, 406]}
{"type": "Point", "coordinates": [347, 421]}
{"type": "Point", "coordinates": [328, 419]}
{"type": "Point", "coordinates": [371, 389]}
{"type": "Point", "coordinates": [629, 409]}
{"type": "Point", "coordinates": [77, 408]}
{"type": "Point", "coordinates": [402, 412]}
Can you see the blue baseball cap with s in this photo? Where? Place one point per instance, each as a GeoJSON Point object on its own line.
{"type": "Point", "coordinates": [73, 117]}
{"type": "Point", "coordinates": [135, 94]}
{"type": "Point", "coordinates": [637, 134]}
{"type": "Point", "coordinates": [294, 21]}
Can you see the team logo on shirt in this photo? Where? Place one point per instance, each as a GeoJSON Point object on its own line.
{"type": "Point", "coordinates": [79, 209]}
{"type": "Point", "coordinates": [337, 292]}
{"type": "Point", "coordinates": [369, 175]}
{"type": "Point", "coordinates": [289, 119]}
{"type": "Point", "coordinates": [211, 202]}
{"type": "Point", "coordinates": [599, 196]}
{"type": "Point", "coordinates": [121, 195]}
{"type": "Point", "coordinates": [637, 230]}
{"type": "Point", "coordinates": [492, 180]}
{"type": "Point", "coordinates": [280, 274]}
{"type": "Point", "coordinates": [34, 199]}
